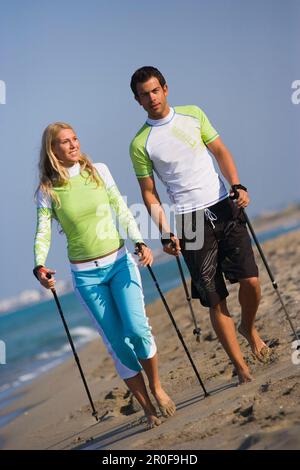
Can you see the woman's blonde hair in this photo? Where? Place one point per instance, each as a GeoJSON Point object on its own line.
{"type": "Point", "coordinates": [51, 171]}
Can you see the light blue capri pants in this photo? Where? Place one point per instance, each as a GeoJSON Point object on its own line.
{"type": "Point", "coordinates": [113, 296]}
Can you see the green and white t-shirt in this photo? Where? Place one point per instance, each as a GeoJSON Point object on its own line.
{"type": "Point", "coordinates": [175, 148]}
{"type": "Point", "coordinates": [85, 216]}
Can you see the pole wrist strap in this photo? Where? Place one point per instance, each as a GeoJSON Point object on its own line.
{"type": "Point", "coordinates": [166, 238]}
{"type": "Point", "coordinates": [138, 246]}
{"type": "Point", "coordinates": [234, 187]}
{"type": "Point", "coordinates": [37, 269]}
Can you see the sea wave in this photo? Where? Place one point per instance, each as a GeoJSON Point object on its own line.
{"type": "Point", "coordinates": [80, 335]}
{"type": "Point", "coordinates": [28, 377]}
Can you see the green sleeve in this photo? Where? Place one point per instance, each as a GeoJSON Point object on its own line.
{"type": "Point", "coordinates": [141, 161]}
{"type": "Point", "coordinates": [208, 132]}
{"type": "Point", "coordinates": [124, 215]}
{"type": "Point", "coordinates": [42, 238]}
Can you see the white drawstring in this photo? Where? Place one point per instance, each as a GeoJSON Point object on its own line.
{"type": "Point", "coordinates": [210, 216]}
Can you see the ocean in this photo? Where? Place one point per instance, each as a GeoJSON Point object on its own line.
{"type": "Point", "coordinates": [35, 338]}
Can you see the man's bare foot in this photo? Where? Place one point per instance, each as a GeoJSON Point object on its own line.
{"type": "Point", "coordinates": [165, 403]}
{"type": "Point", "coordinates": [258, 347]}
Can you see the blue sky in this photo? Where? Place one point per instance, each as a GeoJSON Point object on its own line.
{"type": "Point", "coordinates": [72, 61]}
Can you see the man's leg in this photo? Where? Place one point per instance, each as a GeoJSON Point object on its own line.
{"type": "Point", "coordinates": [225, 330]}
{"type": "Point", "coordinates": [238, 264]}
{"type": "Point", "coordinates": [249, 298]}
{"type": "Point", "coordinates": [209, 286]}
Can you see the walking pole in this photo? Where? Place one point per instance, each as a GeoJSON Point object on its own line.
{"type": "Point", "coordinates": [274, 283]}
{"type": "Point", "coordinates": [196, 330]}
{"type": "Point", "coordinates": [94, 413]}
{"type": "Point", "coordinates": [206, 394]}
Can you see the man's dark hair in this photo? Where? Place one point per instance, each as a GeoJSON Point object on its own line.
{"type": "Point", "coordinates": [143, 74]}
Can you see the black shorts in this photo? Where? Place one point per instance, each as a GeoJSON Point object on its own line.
{"type": "Point", "coordinates": [226, 250]}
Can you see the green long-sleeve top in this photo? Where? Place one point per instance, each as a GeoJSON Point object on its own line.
{"type": "Point", "coordinates": [85, 216]}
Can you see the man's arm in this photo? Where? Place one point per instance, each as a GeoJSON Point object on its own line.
{"type": "Point", "coordinates": [156, 211]}
{"type": "Point", "coordinates": [228, 168]}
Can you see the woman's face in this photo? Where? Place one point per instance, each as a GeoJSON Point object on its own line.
{"type": "Point", "coordinates": [66, 147]}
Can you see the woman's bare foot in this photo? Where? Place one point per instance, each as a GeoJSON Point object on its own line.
{"type": "Point", "coordinates": [152, 421]}
{"type": "Point", "coordinates": [165, 403]}
{"type": "Point", "coordinates": [258, 347]}
{"type": "Point", "coordinates": [152, 418]}
{"type": "Point", "coordinates": [243, 376]}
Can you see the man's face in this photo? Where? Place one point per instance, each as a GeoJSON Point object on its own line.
{"type": "Point", "coordinates": [153, 97]}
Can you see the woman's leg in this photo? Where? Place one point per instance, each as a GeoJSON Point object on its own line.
{"type": "Point", "coordinates": [122, 370]}
{"type": "Point", "coordinates": [127, 290]}
{"type": "Point", "coordinates": [165, 404]}
{"type": "Point", "coordinates": [100, 305]}
{"type": "Point", "coordinates": [98, 301]}
{"type": "Point", "coordinates": [137, 387]}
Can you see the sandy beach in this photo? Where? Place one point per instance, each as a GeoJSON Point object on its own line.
{"type": "Point", "coordinates": [263, 414]}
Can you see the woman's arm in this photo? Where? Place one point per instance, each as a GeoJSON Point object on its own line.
{"type": "Point", "coordinates": [116, 201]}
{"type": "Point", "coordinates": [128, 223]}
{"type": "Point", "coordinates": [123, 213]}
{"type": "Point", "coordinates": [157, 213]}
{"type": "Point", "coordinates": [42, 240]}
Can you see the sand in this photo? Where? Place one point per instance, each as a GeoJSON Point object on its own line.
{"type": "Point", "coordinates": [264, 414]}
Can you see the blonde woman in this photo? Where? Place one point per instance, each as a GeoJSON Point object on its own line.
{"type": "Point", "coordinates": [80, 196]}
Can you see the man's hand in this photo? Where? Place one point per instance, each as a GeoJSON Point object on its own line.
{"type": "Point", "coordinates": [243, 199]}
{"type": "Point", "coordinates": [173, 247]}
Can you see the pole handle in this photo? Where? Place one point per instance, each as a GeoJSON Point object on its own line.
{"type": "Point", "coordinates": [49, 276]}
{"type": "Point", "coordinates": [235, 194]}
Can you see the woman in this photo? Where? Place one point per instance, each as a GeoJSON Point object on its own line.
{"type": "Point", "coordinates": [80, 195]}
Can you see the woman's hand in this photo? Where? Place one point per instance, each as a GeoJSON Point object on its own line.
{"type": "Point", "coordinates": [42, 277]}
{"type": "Point", "coordinates": [145, 255]}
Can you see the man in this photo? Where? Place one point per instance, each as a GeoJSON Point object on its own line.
{"type": "Point", "coordinates": [173, 142]}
